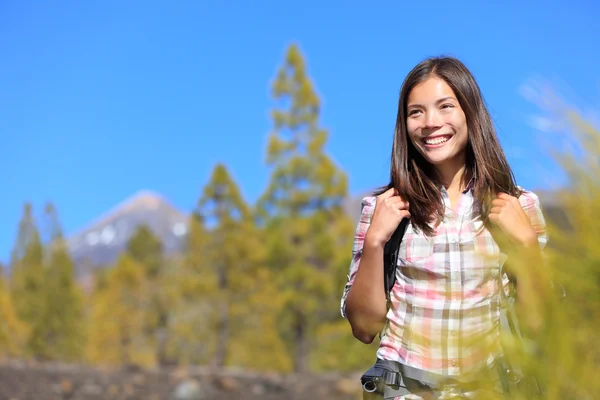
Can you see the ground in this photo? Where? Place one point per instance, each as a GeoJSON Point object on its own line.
{"type": "Point", "coordinates": [50, 381]}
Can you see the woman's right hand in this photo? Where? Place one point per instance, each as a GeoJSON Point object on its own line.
{"type": "Point", "coordinates": [389, 211]}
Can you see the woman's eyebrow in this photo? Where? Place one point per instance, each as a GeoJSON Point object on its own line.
{"type": "Point", "coordinates": [443, 99]}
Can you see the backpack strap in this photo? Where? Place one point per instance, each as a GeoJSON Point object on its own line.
{"type": "Point", "coordinates": [390, 258]}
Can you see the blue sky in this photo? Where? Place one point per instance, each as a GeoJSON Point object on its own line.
{"type": "Point", "coordinates": [99, 100]}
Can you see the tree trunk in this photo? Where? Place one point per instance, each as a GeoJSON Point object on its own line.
{"type": "Point", "coordinates": [223, 325]}
{"type": "Point", "coordinates": [223, 336]}
{"type": "Point", "coordinates": [301, 362]}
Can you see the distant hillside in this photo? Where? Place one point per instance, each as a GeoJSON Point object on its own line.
{"type": "Point", "coordinates": [101, 242]}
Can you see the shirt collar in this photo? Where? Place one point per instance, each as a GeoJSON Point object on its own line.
{"type": "Point", "coordinates": [470, 186]}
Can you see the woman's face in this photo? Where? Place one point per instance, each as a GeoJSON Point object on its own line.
{"type": "Point", "coordinates": [436, 123]}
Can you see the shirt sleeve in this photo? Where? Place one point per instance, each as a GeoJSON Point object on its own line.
{"type": "Point", "coordinates": [531, 205]}
{"type": "Point", "coordinates": [367, 209]}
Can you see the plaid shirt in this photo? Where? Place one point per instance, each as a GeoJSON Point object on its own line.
{"type": "Point", "coordinates": [444, 313]}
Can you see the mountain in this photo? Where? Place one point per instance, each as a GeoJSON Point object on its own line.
{"type": "Point", "coordinates": [101, 242]}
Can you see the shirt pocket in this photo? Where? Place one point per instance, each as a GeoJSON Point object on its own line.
{"type": "Point", "coordinates": [417, 247]}
{"type": "Point", "coordinates": [485, 249]}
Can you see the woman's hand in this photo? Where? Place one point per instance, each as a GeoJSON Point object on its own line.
{"type": "Point", "coordinates": [510, 217]}
{"type": "Point", "coordinates": [389, 211]}
{"type": "Point", "coordinates": [508, 214]}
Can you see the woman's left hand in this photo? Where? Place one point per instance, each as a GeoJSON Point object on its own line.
{"type": "Point", "coordinates": [510, 217]}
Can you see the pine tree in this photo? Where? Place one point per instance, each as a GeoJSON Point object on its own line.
{"type": "Point", "coordinates": [146, 249]}
{"type": "Point", "coordinates": [28, 281]}
{"type": "Point", "coordinates": [13, 332]}
{"type": "Point", "coordinates": [234, 254]}
{"type": "Point", "coordinates": [117, 323]}
{"type": "Point", "coordinates": [256, 340]}
{"type": "Point", "coordinates": [63, 324]}
{"type": "Point", "coordinates": [302, 208]}
{"type": "Point", "coordinates": [192, 288]}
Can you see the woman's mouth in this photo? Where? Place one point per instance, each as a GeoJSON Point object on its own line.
{"type": "Point", "coordinates": [436, 141]}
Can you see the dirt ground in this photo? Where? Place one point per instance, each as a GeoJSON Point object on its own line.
{"type": "Point", "coordinates": [48, 381]}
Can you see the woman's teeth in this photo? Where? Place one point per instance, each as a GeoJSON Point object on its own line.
{"type": "Point", "coordinates": [438, 140]}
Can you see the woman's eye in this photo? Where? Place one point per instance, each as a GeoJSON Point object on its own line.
{"type": "Point", "coordinates": [447, 105]}
{"type": "Point", "coordinates": [413, 112]}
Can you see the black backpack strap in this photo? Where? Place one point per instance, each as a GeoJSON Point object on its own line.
{"type": "Point", "coordinates": [390, 257]}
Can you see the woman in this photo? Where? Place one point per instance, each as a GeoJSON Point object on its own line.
{"type": "Point", "coordinates": [450, 178]}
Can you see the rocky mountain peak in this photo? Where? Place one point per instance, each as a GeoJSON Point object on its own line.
{"type": "Point", "coordinates": [101, 241]}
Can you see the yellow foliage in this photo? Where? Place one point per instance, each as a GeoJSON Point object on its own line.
{"type": "Point", "coordinates": [563, 352]}
{"type": "Point", "coordinates": [338, 350]}
{"type": "Point", "coordinates": [256, 343]}
{"type": "Point", "coordinates": [13, 332]}
{"type": "Point", "coordinates": [118, 318]}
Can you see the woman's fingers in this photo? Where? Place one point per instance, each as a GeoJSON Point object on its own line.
{"type": "Point", "coordinates": [388, 193]}
{"type": "Point", "coordinates": [396, 202]}
{"type": "Point", "coordinates": [498, 202]}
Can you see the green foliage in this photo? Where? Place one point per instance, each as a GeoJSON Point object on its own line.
{"type": "Point", "coordinates": [253, 299]}
{"type": "Point", "coordinates": [63, 313]}
{"type": "Point", "coordinates": [257, 343]}
{"type": "Point", "coordinates": [560, 347]}
{"type": "Point", "coordinates": [304, 178]}
{"type": "Point", "coordinates": [228, 254]}
{"type": "Point", "coordinates": [118, 319]}
{"type": "Point", "coordinates": [27, 281]}
{"type": "Point", "coordinates": [13, 332]}
{"type": "Point", "coordinates": [568, 356]}
{"type": "Point", "coordinates": [301, 209]}
{"type": "Point", "coordinates": [147, 249]}
{"type": "Point", "coordinates": [192, 285]}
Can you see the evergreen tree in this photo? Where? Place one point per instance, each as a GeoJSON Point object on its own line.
{"type": "Point", "coordinates": [256, 340]}
{"type": "Point", "coordinates": [13, 332]}
{"type": "Point", "coordinates": [306, 227]}
{"type": "Point", "coordinates": [63, 314]}
{"type": "Point", "coordinates": [146, 249]}
{"type": "Point", "coordinates": [192, 288]}
{"type": "Point", "coordinates": [234, 254]}
{"type": "Point", "coordinates": [117, 323]}
{"type": "Point", "coordinates": [28, 281]}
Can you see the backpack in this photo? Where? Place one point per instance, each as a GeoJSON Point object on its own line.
{"type": "Point", "coordinates": [390, 258]}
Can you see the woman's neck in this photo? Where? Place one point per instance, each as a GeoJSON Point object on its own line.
{"type": "Point", "coordinates": [455, 181]}
{"type": "Point", "coordinates": [454, 178]}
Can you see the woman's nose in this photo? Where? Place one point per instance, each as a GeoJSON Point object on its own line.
{"type": "Point", "coordinates": [432, 120]}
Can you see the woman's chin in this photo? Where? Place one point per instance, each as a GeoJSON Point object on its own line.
{"type": "Point", "coordinates": [439, 158]}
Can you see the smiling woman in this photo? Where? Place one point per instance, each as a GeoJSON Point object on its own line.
{"type": "Point", "coordinates": [449, 178]}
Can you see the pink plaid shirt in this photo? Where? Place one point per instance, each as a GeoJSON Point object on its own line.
{"type": "Point", "coordinates": [444, 314]}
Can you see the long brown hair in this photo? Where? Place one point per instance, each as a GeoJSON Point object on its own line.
{"type": "Point", "coordinates": [486, 163]}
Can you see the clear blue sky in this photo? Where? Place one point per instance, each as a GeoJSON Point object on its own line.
{"type": "Point", "coordinates": [101, 99]}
